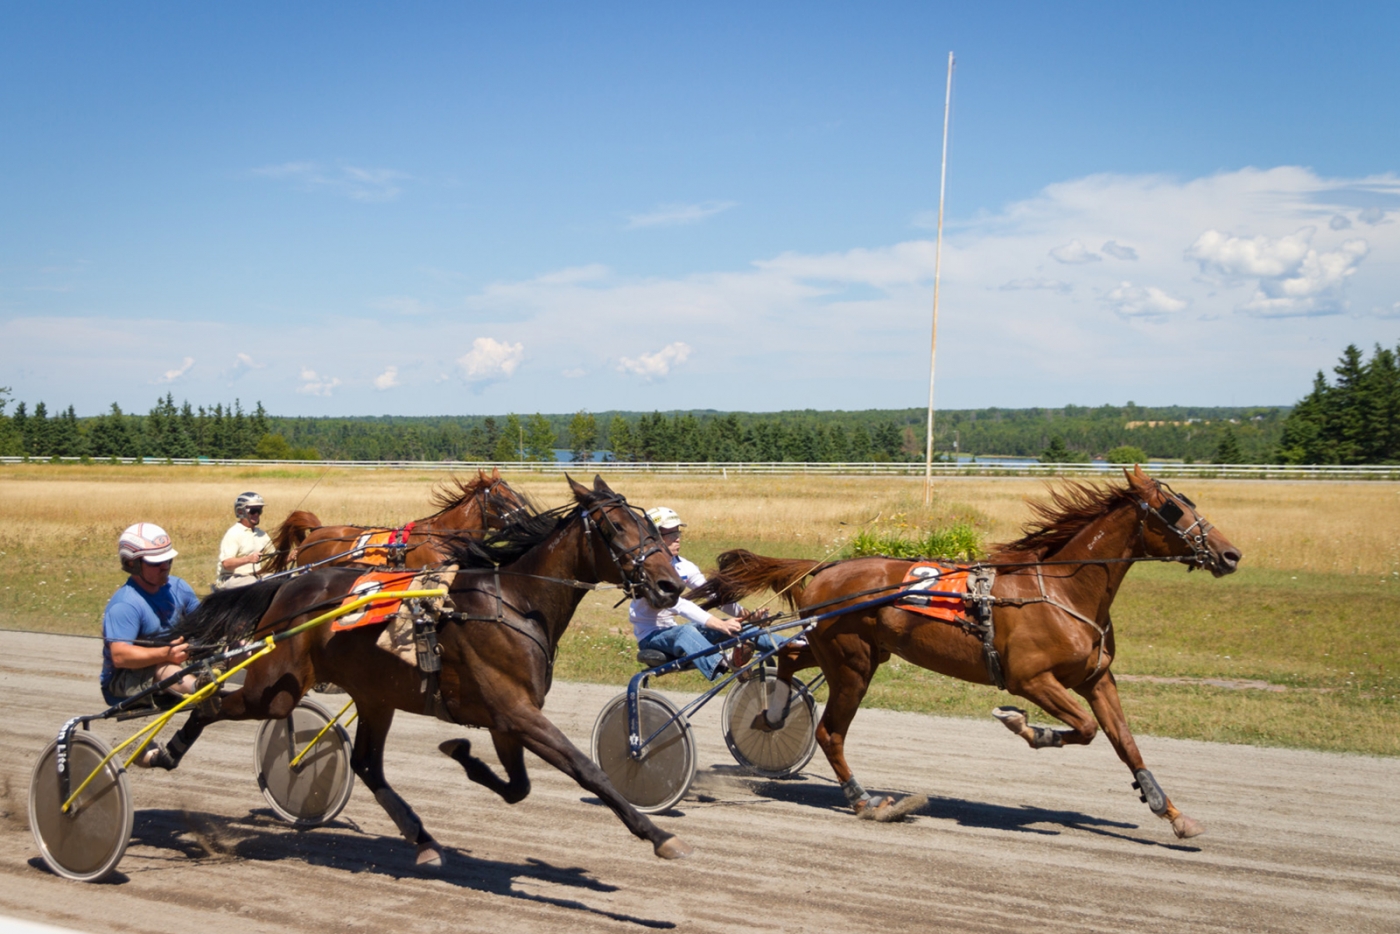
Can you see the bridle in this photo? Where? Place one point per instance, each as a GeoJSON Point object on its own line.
{"type": "Point", "coordinates": [489, 503]}
{"type": "Point", "coordinates": [630, 562]}
{"type": "Point", "coordinates": [1194, 534]}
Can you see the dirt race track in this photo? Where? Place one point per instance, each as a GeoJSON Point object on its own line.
{"type": "Point", "coordinates": [1011, 840]}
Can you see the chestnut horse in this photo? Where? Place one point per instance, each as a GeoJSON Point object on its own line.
{"type": "Point", "coordinates": [1051, 627]}
{"type": "Point", "coordinates": [506, 610]}
{"type": "Point", "coordinates": [486, 502]}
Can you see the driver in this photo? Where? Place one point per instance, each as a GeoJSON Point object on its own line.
{"type": "Point", "coordinates": [686, 628]}
{"type": "Point", "coordinates": [147, 605]}
{"type": "Point", "coordinates": [244, 545]}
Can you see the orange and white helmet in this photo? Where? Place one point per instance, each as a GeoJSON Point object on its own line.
{"type": "Point", "coordinates": [146, 541]}
{"type": "Point", "coordinates": [664, 518]}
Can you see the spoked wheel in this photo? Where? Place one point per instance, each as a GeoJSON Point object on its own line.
{"type": "Point", "coordinates": [663, 774]}
{"type": "Point", "coordinates": [314, 791]}
{"type": "Point", "coordinates": [87, 842]}
{"type": "Point", "coordinates": [782, 752]}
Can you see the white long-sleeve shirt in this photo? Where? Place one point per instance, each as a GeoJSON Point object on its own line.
{"type": "Point", "coordinates": [646, 618]}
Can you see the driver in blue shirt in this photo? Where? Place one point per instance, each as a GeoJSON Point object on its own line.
{"type": "Point", "coordinates": [143, 609]}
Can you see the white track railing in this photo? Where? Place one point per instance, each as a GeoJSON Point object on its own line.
{"type": "Point", "coordinates": [987, 468]}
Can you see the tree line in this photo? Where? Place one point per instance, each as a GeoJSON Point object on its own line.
{"type": "Point", "coordinates": [1354, 420]}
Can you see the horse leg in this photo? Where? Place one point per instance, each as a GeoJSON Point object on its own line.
{"type": "Point", "coordinates": [1046, 690]}
{"type": "Point", "coordinates": [368, 762]}
{"type": "Point", "coordinates": [544, 739]}
{"type": "Point", "coordinates": [512, 756]}
{"type": "Point", "coordinates": [848, 678]}
{"type": "Point", "coordinates": [1102, 695]}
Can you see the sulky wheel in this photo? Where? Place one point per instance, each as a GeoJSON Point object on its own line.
{"type": "Point", "coordinates": [782, 752]}
{"type": "Point", "coordinates": [663, 774]}
{"type": "Point", "coordinates": [87, 842]}
{"type": "Point", "coordinates": [315, 791]}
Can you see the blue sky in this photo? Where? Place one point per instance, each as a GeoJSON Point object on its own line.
{"type": "Point", "coordinates": [453, 208]}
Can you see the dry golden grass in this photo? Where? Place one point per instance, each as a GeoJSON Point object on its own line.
{"type": "Point", "coordinates": [1314, 607]}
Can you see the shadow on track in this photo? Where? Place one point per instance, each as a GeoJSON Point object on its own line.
{"type": "Point", "coordinates": [975, 814]}
{"type": "Point", "coordinates": [261, 837]}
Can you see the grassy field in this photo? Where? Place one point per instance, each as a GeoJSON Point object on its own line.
{"type": "Point", "coordinates": [1311, 616]}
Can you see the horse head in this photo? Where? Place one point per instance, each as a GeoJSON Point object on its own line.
{"type": "Point", "coordinates": [1171, 526]}
{"type": "Point", "coordinates": [631, 542]}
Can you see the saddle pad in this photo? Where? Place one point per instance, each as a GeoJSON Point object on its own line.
{"type": "Point", "coordinates": [928, 576]}
{"type": "Point", "coordinates": [379, 543]}
{"type": "Point", "coordinates": [380, 610]}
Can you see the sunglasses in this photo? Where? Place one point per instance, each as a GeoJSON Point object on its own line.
{"type": "Point", "coordinates": [255, 511]}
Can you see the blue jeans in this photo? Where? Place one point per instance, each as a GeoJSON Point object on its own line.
{"type": "Point", "coordinates": [687, 639]}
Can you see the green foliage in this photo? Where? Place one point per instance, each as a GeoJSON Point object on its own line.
{"type": "Point", "coordinates": [583, 435]}
{"type": "Point", "coordinates": [1354, 421]}
{"type": "Point", "coordinates": [1126, 454]}
{"type": "Point", "coordinates": [1228, 451]}
{"type": "Point", "coordinates": [539, 439]}
{"type": "Point", "coordinates": [955, 542]}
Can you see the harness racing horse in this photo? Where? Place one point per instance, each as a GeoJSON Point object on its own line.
{"type": "Point", "coordinates": [506, 610]}
{"type": "Point", "coordinates": [485, 502]}
{"type": "Point", "coordinates": [1049, 622]}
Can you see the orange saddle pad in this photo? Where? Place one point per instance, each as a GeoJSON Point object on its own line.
{"type": "Point", "coordinates": [942, 579]}
{"type": "Point", "coordinates": [380, 610]}
{"type": "Point", "coordinates": [378, 544]}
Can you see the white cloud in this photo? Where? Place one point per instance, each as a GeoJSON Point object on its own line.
{"type": "Point", "coordinates": [1074, 253]}
{"type": "Point", "coordinates": [1339, 222]}
{"type": "Point", "coordinates": [244, 364]}
{"type": "Point", "coordinates": [1133, 301]}
{"type": "Point", "coordinates": [1372, 216]}
{"type": "Point", "coordinates": [358, 184]}
{"type": "Point", "coordinates": [674, 215]}
{"type": "Point", "coordinates": [1119, 251]}
{"type": "Point", "coordinates": [653, 365]}
{"type": "Point", "coordinates": [1049, 285]}
{"type": "Point", "coordinates": [388, 379]}
{"type": "Point", "coordinates": [1293, 277]}
{"type": "Point", "coordinates": [171, 376]}
{"type": "Point", "coordinates": [490, 360]}
{"type": "Point", "coordinates": [313, 384]}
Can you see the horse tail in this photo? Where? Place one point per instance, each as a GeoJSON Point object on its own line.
{"type": "Point", "coordinates": [741, 572]}
{"type": "Point", "coordinates": [226, 616]}
{"type": "Point", "coordinates": [289, 535]}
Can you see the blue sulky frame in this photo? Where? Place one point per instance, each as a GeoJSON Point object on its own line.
{"type": "Point", "coordinates": [802, 625]}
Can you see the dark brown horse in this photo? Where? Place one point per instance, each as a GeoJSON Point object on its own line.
{"type": "Point", "coordinates": [1051, 628]}
{"type": "Point", "coordinates": [485, 502]}
{"type": "Point", "coordinates": [506, 611]}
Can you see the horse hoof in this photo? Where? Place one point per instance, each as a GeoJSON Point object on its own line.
{"type": "Point", "coordinates": [429, 857]}
{"type": "Point", "coordinates": [1186, 827]}
{"type": "Point", "coordinates": [1013, 718]}
{"type": "Point", "coordinates": [673, 847]}
{"type": "Point", "coordinates": [451, 747]}
{"type": "Point", "coordinates": [870, 809]}
{"type": "Point", "coordinates": [761, 724]}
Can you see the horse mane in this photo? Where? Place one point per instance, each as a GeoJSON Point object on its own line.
{"type": "Point", "coordinates": [525, 530]}
{"type": "Point", "coordinates": [454, 491]}
{"type": "Point", "coordinates": [225, 616]}
{"type": "Point", "coordinates": [1063, 514]}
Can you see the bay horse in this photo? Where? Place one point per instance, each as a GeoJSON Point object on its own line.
{"type": "Point", "coordinates": [1051, 628]}
{"type": "Point", "coordinates": [507, 607]}
{"type": "Point", "coordinates": [484, 502]}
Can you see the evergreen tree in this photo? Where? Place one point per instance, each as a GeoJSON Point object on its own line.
{"type": "Point", "coordinates": [111, 435]}
{"type": "Point", "coordinates": [68, 438]}
{"type": "Point", "coordinates": [11, 440]}
{"type": "Point", "coordinates": [1056, 453]}
{"type": "Point", "coordinates": [511, 444]}
{"type": "Point", "coordinates": [36, 432]}
{"type": "Point", "coordinates": [493, 438]}
{"type": "Point", "coordinates": [583, 434]}
{"type": "Point", "coordinates": [620, 439]}
{"type": "Point", "coordinates": [20, 426]}
{"type": "Point", "coordinates": [539, 439]}
{"type": "Point", "coordinates": [1228, 450]}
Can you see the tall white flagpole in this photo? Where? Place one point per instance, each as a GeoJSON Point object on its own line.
{"type": "Point", "coordinates": [937, 272]}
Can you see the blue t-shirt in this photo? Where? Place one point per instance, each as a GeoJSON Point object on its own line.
{"type": "Point", "coordinates": [134, 614]}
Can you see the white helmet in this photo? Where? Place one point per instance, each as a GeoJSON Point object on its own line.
{"type": "Point", "coordinates": [147, 542]}
{"type": "Point", "coordinates": [664, 518]}
{"type": "Point", "coordinates": [245, 500]}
